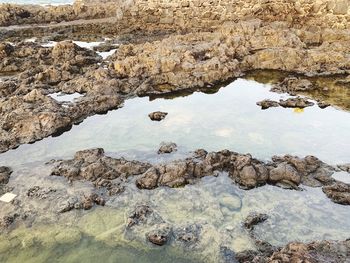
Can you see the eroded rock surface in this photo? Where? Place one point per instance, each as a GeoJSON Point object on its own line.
{"type": "Point", "coordinates": [338, 192]}
{"type": "Point", "coordinates": [284, 171]}
{"type": "Point", "coordinates": [5, 173]}
{"type": "Point", "coordinates": [167, 147]}
{"type": "Point", "coordinates": [157, 116]}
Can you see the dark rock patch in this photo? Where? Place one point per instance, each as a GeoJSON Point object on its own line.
{"type": "Point", "coordinates": [5, 173]}
{"type": "Point", "coordinates": [157, 116]}
{"type": "Point", "coordinates": [167, 147]}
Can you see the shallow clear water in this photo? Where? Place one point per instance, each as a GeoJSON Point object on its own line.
{"type": "Point", "coordinates": [228, 119]}
{"type": "Point", "coordinates": [215, 203]}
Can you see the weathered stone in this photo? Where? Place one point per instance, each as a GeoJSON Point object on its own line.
{"type": "Point", "coordinates": [5, 173]}
{"type": "Point", "coordinates": [157, 116]}
{"type": "Point", "coordinates": [338, 192]}
{"type": "Point", "coordinates": [167, 147]}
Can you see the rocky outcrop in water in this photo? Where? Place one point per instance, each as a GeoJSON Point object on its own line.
{"type": "Point", "coordinates": [338, 192]}
{"type": "Point", "coordinates": [297, 102]}
{"type": "Point", "coordinates": [157, 115]}
{"type": "Point", "coordinates": [288, 171]}
{"type": "Point", "coordinates": [167, 147]}
{"type": "Point", "coordinates": [103, 171]}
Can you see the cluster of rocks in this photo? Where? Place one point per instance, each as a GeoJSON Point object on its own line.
{"type": "Point", "coordinates": [318, 251]}
{"type": "Point", "coordinates": [196, 59]}
{"type": "Point", "coordinates": [27, 113]}
{"type": "Point", "coordinates": [286, 171]}
{"type": "Point", "coordinates": [297, 102]}
{"type": "Point", "coordinates": [103, 171]}
{"type": "Point", "coordinates": [162, 232]}
{"type": "Point", "coordinates": [177, 62]}
{"type": "Point", "coordinates": [175, 14]}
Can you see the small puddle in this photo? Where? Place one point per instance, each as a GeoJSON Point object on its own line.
{"type": "Point", "coordinates": [104, 55]}
{"type": "Point", "coordinates": [62, 97]}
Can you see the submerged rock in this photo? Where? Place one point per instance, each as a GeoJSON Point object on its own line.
{"type": "Point", "coordinates": [265, 104]}
{"type": "Point", "coordinates": [188, 235]}
{"type": "Point", "coordinates": [161, 235]}
{"type": "Point", "coordinates": [284, 171]}
{"type": "Point", "coordinates": [5, 173]}
{"type": "Point", "coordinates": [254, 219]}
{"type": "Point", "coordinates": [319, 251]}
{"type": "Point", "coordinates": [323, 105]}
{"type": "Point", "coordinates": [167, 147]}
{"type": "Point", "coordinates": [157, 116]}
{"type": "Point", "coordinates": [143, 214]}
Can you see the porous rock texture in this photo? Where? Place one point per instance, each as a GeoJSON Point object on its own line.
{"type": "Point", "coordinates": [168, 46]}
{"type": "Point", "coordinates": [284, 171]}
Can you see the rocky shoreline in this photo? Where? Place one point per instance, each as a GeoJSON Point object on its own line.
{"type": "Point", "coordinates": [153, 49]}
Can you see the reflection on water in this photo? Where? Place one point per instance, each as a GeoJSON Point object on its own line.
{"type": "Point", "coordinates": [228, 119]}
{"type": "Point", "coordinates": [342, 177]}
{"type": "Point", "coordinates": [332, 90]}
{"type": "Point", "coordinates": [62, 97]}
{"type": "Point", "coordinates": [214, 203]}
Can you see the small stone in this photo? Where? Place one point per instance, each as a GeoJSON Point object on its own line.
{"type": "Point", "coordinates": [167, 147]}
{"type": "Point", "coordinates": [254, 219]}
{"type": "Point", "coordinates": [265, 104]}
{"type": "Point", "coordinates": [157, 116]}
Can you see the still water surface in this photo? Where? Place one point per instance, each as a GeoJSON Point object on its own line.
{"type": "Point", "coordinates": [228, 119]}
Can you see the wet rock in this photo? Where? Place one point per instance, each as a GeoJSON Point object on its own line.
{"type": "Point", "coordinates": [40, 192]}
{"type": "Point", "coordinates": [5, 173]}
{"type": "Point", "coordinates": [8, 220]}
{"type": "Point", "coordinates": [322, 251]}
{"type": "Point", "coordinates": [228, 255]}
{"type": "Point", "coordinates": [157, 115]}
{"type": "Point", "coordinates": [247, 171]}
{"type": "Point", "coordinates": [88, 201]}
{"type": "Point", "coordinates": [160, 236]}
{"type": "Point", "coordinates": [188, 235]}
{"type": "Point", "coordinates": [344, 167]}
{"type": "Point", "coordinates": [149, 180]}
{"type": "Point", "coordinates": [323, 105]}
{"type": "Point", "coordinates": [249, 256]}
{"type": "Point", "coordinates": [338, 192]}
{"type": "Point", "coordinates": [143, 214]}
{"type": "Point", "coordinates": [93, 165]}
{"type": "Point", "coordinates": [298, 102]}
{"type": "Point", "coordinates": [68, 205]}
{"type": "Point", "coordinates": [254, 219]}
{"type": "Point", "coordinates": [265, 104]}
{"type": "Point", "coordinates": [284, 172]}
{"type": "Point", "coordinates": [167, 147]}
